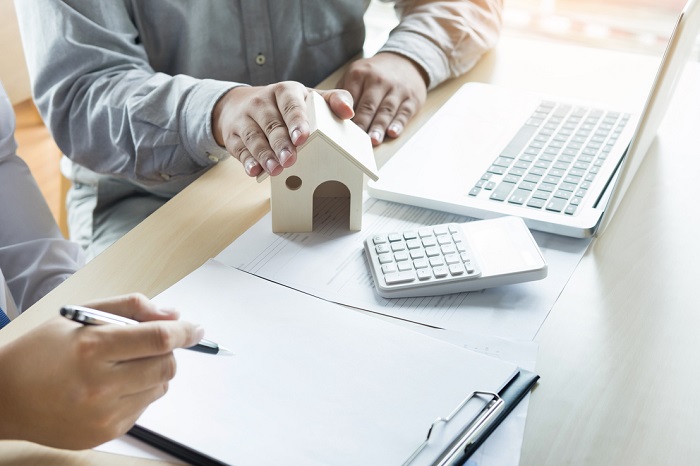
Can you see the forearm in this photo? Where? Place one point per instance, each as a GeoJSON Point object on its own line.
{"type": "Point", "coordinates": [446, 37]}
{"type": "Point", "coordinates": [106, 107]}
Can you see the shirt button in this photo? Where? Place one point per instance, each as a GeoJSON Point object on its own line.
{"type": "Point", "coordinates": [260, 59]}
{"type": "Point", "coordinates": [213, 158]}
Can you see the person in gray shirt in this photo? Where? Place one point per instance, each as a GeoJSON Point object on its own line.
{"type": "Point", "coordinates": [144, 96]}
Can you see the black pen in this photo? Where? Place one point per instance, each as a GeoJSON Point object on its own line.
{"type": "Point", "coordinates": [87, 316]}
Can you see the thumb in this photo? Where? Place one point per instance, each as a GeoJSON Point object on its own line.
{"type": "Point", "coordinates": [341, 103]}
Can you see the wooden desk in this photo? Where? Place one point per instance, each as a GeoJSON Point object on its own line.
{"type": "Point", "coordinates": [616, 353]}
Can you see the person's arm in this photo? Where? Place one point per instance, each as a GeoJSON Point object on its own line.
{"type": "Point", "coordinates": [69, 386]}
{"type": "Point", "coordinates": [34, 257]}
{"type": "Point", "coordinates": [111, 112]}
{"type": "Point", "coordinates": [106, 107]}
{"type": "Point", "coordinates": [435, 40]}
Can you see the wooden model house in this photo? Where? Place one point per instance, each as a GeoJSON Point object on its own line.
{"type": "Point", "coordinates": [331, 163]}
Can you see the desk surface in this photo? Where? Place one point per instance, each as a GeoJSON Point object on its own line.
{"type": "Point", "coordinates": [618, 383]}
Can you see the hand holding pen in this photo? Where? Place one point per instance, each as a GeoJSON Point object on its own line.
{"type": "Point", "coordinates": [77, 387]}
{"type": "Point", "coordinates": [88, 316]}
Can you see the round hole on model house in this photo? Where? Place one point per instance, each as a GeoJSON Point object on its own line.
{"type": "Point", "coordinates": [293, 183]}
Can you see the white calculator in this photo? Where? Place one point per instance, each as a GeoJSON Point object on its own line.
{"type": "Point", "coordinates": [453, 258]}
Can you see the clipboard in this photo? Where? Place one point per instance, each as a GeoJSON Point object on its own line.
{"type": "Point", "coordinates": [314, 383]}
{"type": "Point", "coordinates": [457, 453]}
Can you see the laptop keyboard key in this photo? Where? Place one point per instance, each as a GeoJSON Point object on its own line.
{"type": "Point", "coordinates": [556, 204]}
{"type": "Point", "coordinates": [516, 145]}
{"type": "Point", "coordinates": [502, 191]}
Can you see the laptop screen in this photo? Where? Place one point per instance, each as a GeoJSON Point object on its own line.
{"type": "Point", "coordinates": [670, 70]}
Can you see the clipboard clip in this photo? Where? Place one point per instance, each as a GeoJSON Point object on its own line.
{"type": "Point", "coordinates": [469, 434]}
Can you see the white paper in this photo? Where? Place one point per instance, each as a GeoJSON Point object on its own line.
{"type": "Point", "coordinates": [311, 382]}
{"type": "Point", "coordinates": [330, 263]}
{"type": "Point", "coordinates": [502, 447]}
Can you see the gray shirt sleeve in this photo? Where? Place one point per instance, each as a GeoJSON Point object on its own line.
{"type": "Point", "coordinates": [445, 37]}
{"type": "Point", "coordinates": [34, 257]}
{"type": "Point", "coordinates": [94, 86]}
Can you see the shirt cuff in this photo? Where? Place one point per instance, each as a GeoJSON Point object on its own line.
{"type": "Point", "coordinates": [423, 52]}
{"type": "Point", "coordinates": [198, 136]}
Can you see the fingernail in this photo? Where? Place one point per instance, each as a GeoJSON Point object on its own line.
{"type": "Point", "coordinates": [271, 164]}
{"type": "Point", "coordinates": [296, 134]}
{"type": "Point", "coordinates": [376, 135]}
{"type": "Point", "coordinates": [345, 98]}
{"type": "Point", "coordinates": [284, 156]}
{"type": "Point", "coordinates": [250, 163]}
{"type": "Point", "coordinates": [395, 129]}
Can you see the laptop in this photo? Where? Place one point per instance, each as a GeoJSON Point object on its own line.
{"type": "Point", "coordinates": [563, 166]}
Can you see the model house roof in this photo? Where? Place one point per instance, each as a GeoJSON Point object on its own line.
{"type": "Point", "coordinates": [344, 135]}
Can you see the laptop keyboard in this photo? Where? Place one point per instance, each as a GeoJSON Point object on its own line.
{"type": "Point", "coordinates": [553, 159]}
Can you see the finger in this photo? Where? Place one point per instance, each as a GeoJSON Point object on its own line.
{"type": "Point", "coordinates": [138, 375]}
{"type": "Point", "coordinates": [234, 145]}
{"type": "Point", "coordinates": [122, 343]}
{"type": "Point", "coordinates": [134, 306]}
{"type": "Point", "coordinates": [290, 97]}
{"type": "Point", "coordinates": [368, 105]}
{"type": "Point", "coordinates": [385, 115]}
{"type": "Point", "coordinates": [256, 141]}
{"type": "Point", "coordinates": [353, 83]}
{"type": "Point", "coordinates": [405, 112]}
{"type": "Point", "coordinates": [340, 101]}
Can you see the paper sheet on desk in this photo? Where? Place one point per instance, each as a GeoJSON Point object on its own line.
{"type": "Point", "coordinates": [310, 382]}
{"type": "Point", "coordinates": [502, 448]}
{"type": "Point", "coordinates": [330, 263]}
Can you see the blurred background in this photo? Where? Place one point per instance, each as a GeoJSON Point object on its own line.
{"type": "Point", "coordinates": [639, 26]}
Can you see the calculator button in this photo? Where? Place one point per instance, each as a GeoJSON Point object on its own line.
{"type": "Point", "coordinates": [423, 232]}
{"type": "Point", "coordinates": [401, 256]}
{"type": "Point", "coordinates": [410, 235]}
{"type": "Point", "coordinates": [437, 260]}
{"type": "Point", "coordinates": [382, 248]}
{"type": "Point", "coordinates": [440, 230]}
{"type": "Point", "coordinates": [413, 244]}
{"type": "Point", "coordinates": [448, 249]}
{"type": "Point", "coordinates": [417, 253]}
{"type": "Point", "coordinates": [404, 266]}
{"type": "Point", "coordinates": [420, 263]}
{"type": "Point", "coordinates": [379, 239]}
{"type": "Point", "coordinates": [440, 271]}
{"type": "Point", "coordinates": [452, 259]}
{"type": "Point", "coordinates": [429, 241]}
{"type": "Point", "coordinates": [399, 277]}
{"type": "Point", "coordinates": [389, 268]}
{"type": "Point", "coordinates": [444, 239]}
{"type": "Point", "coordinates": [385, 258]}
{"type": "Point", "coordinates": [398, 246]}
{"type": "Point", "coordinates": [456, 269]}
{"type": "Point", "coordinates": [424, 274]}
{"type": "Point", "coordinates": [395, 237]}
{"type": "Point", "coordinates": [432, 251]}
{"type": "Point", "coordinates": [454, 229]}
